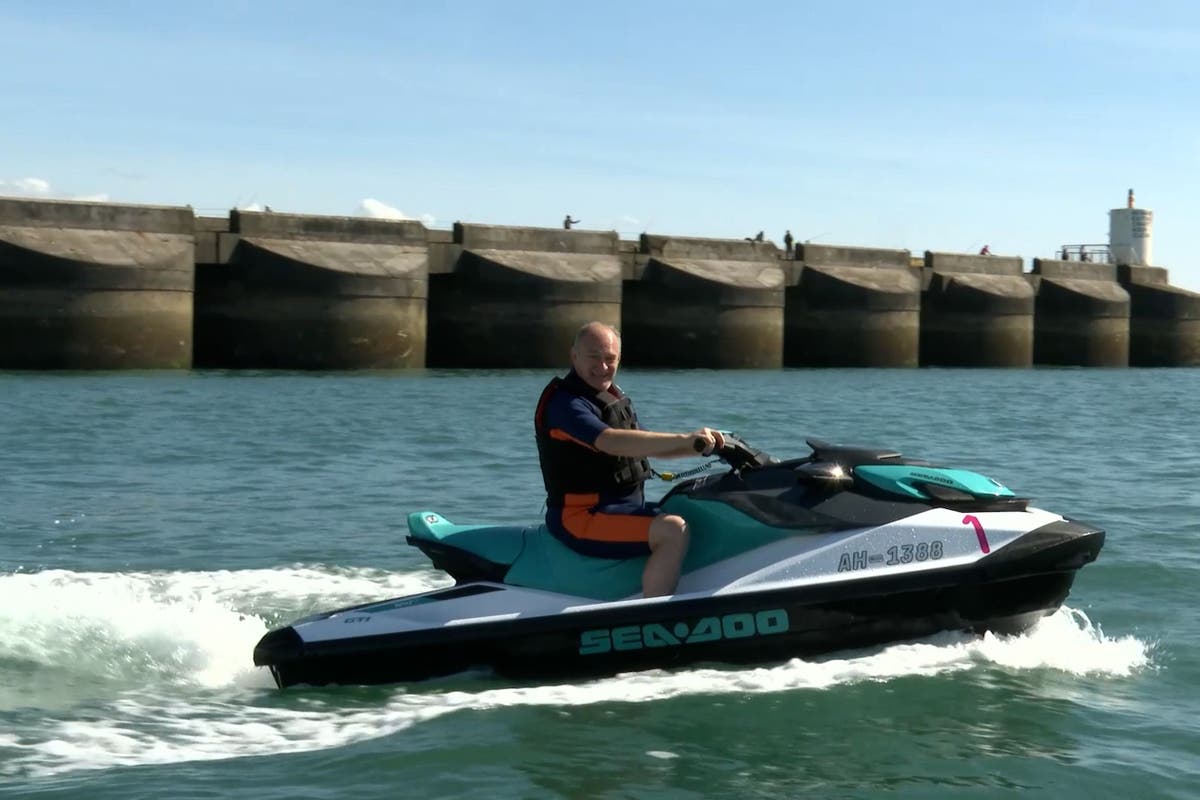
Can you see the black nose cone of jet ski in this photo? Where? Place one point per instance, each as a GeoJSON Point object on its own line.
{"type": "Point", "coordinates": [279, 646]}
{"type": "Point", "coordinates": [1062, 546]}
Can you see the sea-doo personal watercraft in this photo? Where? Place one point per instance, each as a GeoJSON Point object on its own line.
{"type": "Point", "coordinates": [846, 547]}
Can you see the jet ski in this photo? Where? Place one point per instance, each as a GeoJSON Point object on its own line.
{"type": "Point", "coordinates": [847, 547]}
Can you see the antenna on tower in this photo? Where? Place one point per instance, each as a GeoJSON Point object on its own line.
{"type": "Point", "coordinates": [1130, 235]}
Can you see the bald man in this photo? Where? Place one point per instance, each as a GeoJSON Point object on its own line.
{"type": "Point", "coordinates": [593, 457]}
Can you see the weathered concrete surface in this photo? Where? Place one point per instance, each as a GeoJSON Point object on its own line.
{"type": "Point", "coordinates": [95, 286]}
{"type": "Point", "coordinates": [103, 260]}
{"type": "Point", "coordinates": [212, 224]}
{"type": "Point", "coordinates": [1075, 270]}
{"type": "Point", "coordinates": [305, 331]}
{"type": "Point", "coordinates": [515, 297]}
{"type": "Point", "coordinates": [1164, 322]}
{"type": "Point", "coordinates": [538, 240]}
{"type": "Point", "coordinates": [1081, 314]}
{"type": "Point", "coordinates": [667, 248]}
{"type": "Point", "coordinates": [336, 268]}
{"type": "Point", "coordinates": [359, 230]}
{"type": "Point", "coordinates": [25, 213]}
{"type": "Point", "coordinates": [976, 311]}
{"type": "Point", "coordinates": [852, 307]}
{"type": "Point", "coordinates": [94, 329]}
{"type": "Point", "coordinates": [705, 303]}
{"type": "Point", "coordinates": [977, 320]}
{"type": "Point", "coordinates": [473, 330]}
{"type": "Point", "coordinates": [827, 255]}
{"type": "Point", "coordinates": [208, 230]}
{"type": "Point", "coordinates": [300, 292]}
{"type": "Point", "coordinates": [443, 252]}
{"type": "Point", "coordinates": [964, 263]}
{"type": "Point", "coordinates": [1143, 276]}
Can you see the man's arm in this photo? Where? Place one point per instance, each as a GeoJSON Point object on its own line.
{"type": "Point", "coordinates": [651, 444]}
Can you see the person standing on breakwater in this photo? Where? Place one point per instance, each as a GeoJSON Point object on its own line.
{"type": "Point", "coordinates": [788, 242]}
{"type": "Point", "coordinates": [593, 458]}
{"type": "Point", "coordinates": [568, 222]}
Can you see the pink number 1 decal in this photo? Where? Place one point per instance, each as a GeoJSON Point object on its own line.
{"type": "Point", "coordinates": [971, 519]}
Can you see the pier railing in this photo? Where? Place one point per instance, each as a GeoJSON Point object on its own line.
{"type": "Point", "coordinates": [1096, 253]}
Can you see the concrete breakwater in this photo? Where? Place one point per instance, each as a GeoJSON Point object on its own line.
{"type": "Point", "coordinates": [107, 286]}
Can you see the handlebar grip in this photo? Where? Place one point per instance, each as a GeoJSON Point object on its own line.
{"type": "Point", "coordinates": [698, 444]}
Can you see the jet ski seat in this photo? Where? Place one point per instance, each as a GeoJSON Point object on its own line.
{"type": "Point", "coordinates": [521, 556]}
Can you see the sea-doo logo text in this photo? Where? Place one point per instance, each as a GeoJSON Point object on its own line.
{"type": "Point", "coordinates": [933, 476]}
{"type": "Point", "coordinates": [708, 629]}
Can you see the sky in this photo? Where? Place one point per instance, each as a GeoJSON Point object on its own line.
{"type": "Point", "coordinates": [916, 125]}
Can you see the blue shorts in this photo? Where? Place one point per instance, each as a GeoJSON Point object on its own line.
{"type": "Point", "coordinates": [611, 530]}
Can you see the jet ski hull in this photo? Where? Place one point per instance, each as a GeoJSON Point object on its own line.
{"type": "Point", "coordinates": [1005, 592]}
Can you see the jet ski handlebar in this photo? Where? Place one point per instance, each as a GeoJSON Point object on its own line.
{"type": "Point", "coordinates": [736, 453]}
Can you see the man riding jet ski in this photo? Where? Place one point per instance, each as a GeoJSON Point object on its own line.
{"type": "Point", "coordinates": [769, 560]}
{"type": "Point", "coordinates": [593, 457]}
{"type": "Point", "coordinates": [845, 547]}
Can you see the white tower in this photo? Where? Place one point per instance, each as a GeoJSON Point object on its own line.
{"type": "Point", "coordinates": [1130, 235]}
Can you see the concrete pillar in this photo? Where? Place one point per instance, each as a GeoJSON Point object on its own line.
{"type": "Point", "coordinates": [1164, 320]}
{"type": "Point", "coordinates": [852, 307]}
{"type": "Point", "coordinates": [292, 291]}
{"type": "Point", "coordinates": [95, 285]}
{"type": "Point", "coordinates": [1081, 314]}
{"type": "Point", "coordinates": [976, 311]}
{"type": "Point", "coordinates": [514, 297]}
{"type": "Point", "coordinates": [714, 303]}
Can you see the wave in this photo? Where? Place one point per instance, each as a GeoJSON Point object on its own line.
{"type": "Point", "coordinates": [169, 627]}
{"type": "Point", "coordinates": [169, 654]}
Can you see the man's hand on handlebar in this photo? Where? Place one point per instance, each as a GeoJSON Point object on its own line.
{"type": "Point", "coordinates": [707, 441]}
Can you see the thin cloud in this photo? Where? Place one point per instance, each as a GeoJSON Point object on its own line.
{"type": "Point", "coordinates": [376, 209]}
{"type": "Point", "coordinates": [27, 186]}
{"type": "Point", "coordinates": [41, 188]}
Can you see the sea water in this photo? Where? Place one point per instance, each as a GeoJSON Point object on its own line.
{"type": "Point", "coordinates": [154, 525]}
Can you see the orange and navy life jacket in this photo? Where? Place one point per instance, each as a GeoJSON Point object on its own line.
{"type": "Point", "coordinates": [571, 468]}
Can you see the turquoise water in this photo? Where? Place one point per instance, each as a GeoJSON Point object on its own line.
{"type": "Point", "coordinates": [154, 526]}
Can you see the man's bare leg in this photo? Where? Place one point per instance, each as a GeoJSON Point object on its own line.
{"type": "Point", "coordinates": [668, 546]}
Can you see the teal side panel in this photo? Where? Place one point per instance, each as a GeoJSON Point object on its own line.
{"type": "Point", "coordinates": [540, 561]}
{"type": "Point", "coordinates": [719, 531]}
{"type": "Point", "coordinates": [547, 563]}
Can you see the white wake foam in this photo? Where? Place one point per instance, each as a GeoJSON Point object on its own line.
{"type": "Point", "coordinates": [156, 727]}
{"type": "Point", "coordinates": [177, 627]}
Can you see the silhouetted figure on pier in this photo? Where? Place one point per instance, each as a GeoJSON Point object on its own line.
{"type": "Point", "coordinates": [788, 242]}
{"type": "Point", "coordinates": [986, 250]}
{"type": "Point", "coordinates": [568, 222]}
{"type": "Point", "coordinates": [1083, 256]}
